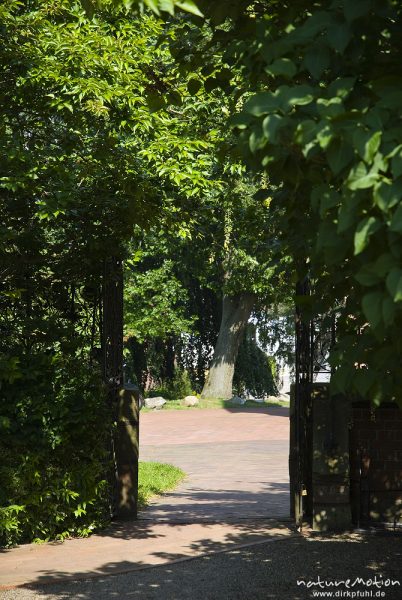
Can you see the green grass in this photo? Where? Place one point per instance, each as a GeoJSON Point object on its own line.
{"type": "Point", "coordinates": [156, 478]}
{"type": "Point", "coordinates": [218, 403]}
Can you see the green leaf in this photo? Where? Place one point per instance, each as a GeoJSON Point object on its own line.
{"type": "Point", "coordinates": [367, 143]}
{"type": "Point", "coordinates": [364, 231]}
{"type": "Point", "coordinates": [257, 140]}
{"type": "Point", "coordinates": [386, 194]}
{"type": "Point", "coordinates": [360, 179]}
{"type": "Point", "coordinates": [372, 307]}
{"type": "Point", "coordinates": [5, 422]}
{"type": "Point", "coordinates": [339, 36]}
{"type": "Point", "coordinates": [341, 87]}
{"type": "Point", "coordinates": [396, 221]}
{"type": "Point", "coordinates": [305, 132]}
{"type": "Point", "coordinates": [330, 108]}
{"type": "Point", "coordinates": [339, 154]}
{"type": "Point", "coordinates": [384, 263]}
{"type": "Point", "coordinates": [282, 67]}
{"type": "Point", "coordinates": [155, 102]}
{"type": "Point", "coordinates": [317, 59]}
{"type": "Point", "coordinates": [270, 125]}
{"type": "Point", "coordinates": [211, 84]}
{"type": "Point", "coordinates": [261, 104]}
{"type": "Point", "coordinates": [355, 9]}
{"type": "Point", "coordinates": [152, 5]}
{"type": "Point", "coordinates": [324, 134]}
{"type": "Point", "coordinates": [366, 275]}
{"type": "Point", "coordinates": [394, 284]}
{"type": "Point", "coordinates": [190, 7]}
{"type": "Point", "coordinates": [89, 7]}
{"type": "Point", "coordinates": [346, 217]}
{"type": "Point", "coordinates": [396, 164]}
{"type": "Point", "coordinates": [174, 98]}
{"type": "Point", "coordinates": [372, 146]}
{"type": "Point", "coordinates": [241, 120]}
{"type": "Point", "coordinates": [388, 311]}
{"type": "Point", "coordinates": [329, 199]}
{"type": "Point", "coordinates": [363, 379]}
{"type": "Point", "coordinates": [166, 6]}
{"type": "Point", "coordinates": [193, 86]}
{"type": "Point", "coordinates": [316, 23]}
{"type": "Point", "coordinates": [298, 95]}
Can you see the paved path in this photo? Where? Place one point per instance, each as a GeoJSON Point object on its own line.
{"type": "Point", "coordinates": [265, 571]}
{"type": "Point", "coordinates": [247, 559]}
{"type": "Point", "coordinates": [237, 481]}
{"type": "Point", "coordinates": [236, 461]}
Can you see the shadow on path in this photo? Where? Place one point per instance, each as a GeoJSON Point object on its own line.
{"type": "Point", "coordinates": [266, 571]}
{"type": "Point", "coordinates": [194, 504]}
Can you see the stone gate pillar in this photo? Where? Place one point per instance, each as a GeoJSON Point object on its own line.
{"type": "Point", "coordinates": [330, 461]}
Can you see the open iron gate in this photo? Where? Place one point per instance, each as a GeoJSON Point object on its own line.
{"type": "Point", "coordinates": [314, 338]}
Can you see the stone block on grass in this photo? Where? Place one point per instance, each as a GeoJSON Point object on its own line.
{"type": "Point", "coordinates": [237, 400]}
{"type": "Point", "coordinates": [190, 401]}
{"type": "Point", "coordinates": [156, 403]}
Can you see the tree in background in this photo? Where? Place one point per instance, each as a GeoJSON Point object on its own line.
{"type": "Point", "coordinates": [321, 116]}
{"type": "Point", "coordinates": [179, 288]}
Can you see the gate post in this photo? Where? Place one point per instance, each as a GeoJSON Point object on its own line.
{"type": "Point", "coordinates": [330, 468]}
{"type": "Point", "coordinates": [126, 452]}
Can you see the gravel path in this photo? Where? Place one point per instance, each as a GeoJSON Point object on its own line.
{"type": "Point", "coordinates": [264, 571]}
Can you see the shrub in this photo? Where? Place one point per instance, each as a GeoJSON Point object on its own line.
{"type": "Point", "coordinates": [254, 369]}
{"type": "Point", "coordinates": [53, 454]}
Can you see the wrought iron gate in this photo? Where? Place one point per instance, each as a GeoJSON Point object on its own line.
{"type": "Point", "coordinates": [112, 353]}
{"type": "Point", "coordinates": [314, 338]}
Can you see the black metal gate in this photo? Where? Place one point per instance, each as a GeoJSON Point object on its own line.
{"type": "Point", "coordinates": [314, 338]}
{"type": "Point", "coordinates": [112, 353]}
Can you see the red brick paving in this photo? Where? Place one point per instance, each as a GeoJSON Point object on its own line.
{"type": "Point", "coordinates": [236, 461]}
{"type": "Point", "coordinates": [213, 426]}
{"type": "Point", "coordinates": [237, 479]}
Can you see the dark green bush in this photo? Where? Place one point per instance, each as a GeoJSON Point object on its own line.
{"type": "Point", "coordinates": [180, 385]}
{"type": "Point", "coordinates": [174, 389]}
{"type": "Point", "coordinates": [254, 370]}
{"type": "Point", "coordinates": [53, 451]}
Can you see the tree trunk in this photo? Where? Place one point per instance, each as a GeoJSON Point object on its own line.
{"type": "Point", "coordinates": [236, 311]}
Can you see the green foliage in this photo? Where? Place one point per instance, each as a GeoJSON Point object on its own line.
{"type": "Point", "coordinates": [177, 387]}
{"type": "Point", "coordinates": [321, 115]}
{"type": "Point", "coordinates": [156, 6]}
{"type": "Point", "coordinates": [254, 370]}
{"type": "Point", "coordinates": [53, 454]}
{"type": "Point", "coordinates": [80, 167]}
{"type": "Point", "coordinates": [180, 385]}
{"type": "Point", "coordinates": [154, 303]}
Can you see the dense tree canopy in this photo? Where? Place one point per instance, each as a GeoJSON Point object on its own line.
{"type": "Point", "coordinates": [84, 158]}
{"type": "Point", "coordinates": [326, 128]}
{"type": "Point", "coordinates": [320, 114]}
{"type": "Point", "coordinates": [115, 141]}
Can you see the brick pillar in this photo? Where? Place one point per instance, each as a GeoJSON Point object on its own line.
{"type": "Point", "coordinates": [330, 464]}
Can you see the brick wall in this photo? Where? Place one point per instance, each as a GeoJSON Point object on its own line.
{"type": "Point", "coordinates": [376, 464]}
